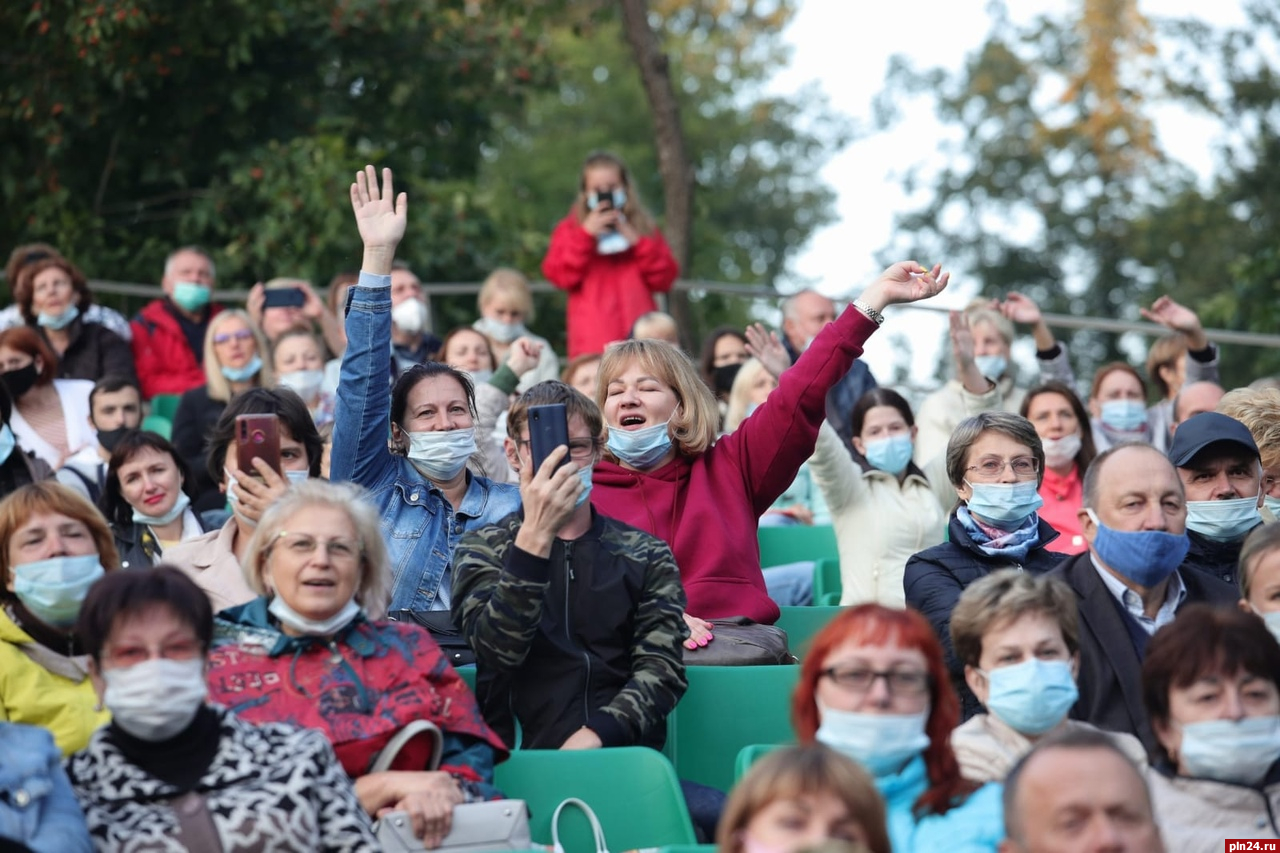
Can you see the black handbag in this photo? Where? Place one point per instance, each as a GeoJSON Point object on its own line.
{"type": "Point", "coordinates": [741, 642]}
{"type": "Point", "coordinates": [440, 625]}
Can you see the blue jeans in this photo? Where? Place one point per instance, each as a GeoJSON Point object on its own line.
{"type": "Point", "coordinates": [705, 805]}
{"type": "Point", "coordinates": [790, 585]}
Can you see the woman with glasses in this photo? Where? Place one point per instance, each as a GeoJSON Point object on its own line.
{"type": "Point", "coordinates": [233, 363]}
{"type": "Point", "coordinates": [313, 650]}
{"type": "Point", "coordinates": [995, 462]}
{"type": "Point", "coordinates": [874, 688]}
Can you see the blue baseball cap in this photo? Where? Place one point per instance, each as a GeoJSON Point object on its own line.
{"type": "Point", "coordinates": [1198, 432]}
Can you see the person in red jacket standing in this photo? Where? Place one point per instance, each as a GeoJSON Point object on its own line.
{"type": "Point", "coordinates": [609, 255]}
{"type": "Point", "coordinates": [168, 333]}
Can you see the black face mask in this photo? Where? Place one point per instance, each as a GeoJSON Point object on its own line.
{"type": "Point", "coordinates": [109, 438]}
{"type": "Point", "coordinates": [723, 377]}
{"type": "Point", "coordinates": [20, 381]}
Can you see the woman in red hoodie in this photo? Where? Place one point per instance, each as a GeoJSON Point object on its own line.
{"type": "Point", "coordinates": [666, 473]}
{"type": "Point", "coordinates": [609, 255]}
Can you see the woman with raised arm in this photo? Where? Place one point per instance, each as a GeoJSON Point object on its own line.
{"type": "Point", "coordinates": [426, 496]}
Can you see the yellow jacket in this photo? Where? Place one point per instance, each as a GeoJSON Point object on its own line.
{"type": "Point", "coordinates": [43, 687]}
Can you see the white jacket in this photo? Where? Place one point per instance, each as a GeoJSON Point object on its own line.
{"type": "Point", "coordinates": [1197, 814]}
{"type": "Point", "coordinates": [73, 394]}
{"type": "Point", "coordinates": [987, 747]}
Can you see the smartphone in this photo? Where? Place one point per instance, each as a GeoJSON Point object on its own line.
{"type": "Point", "coordinates": [257, 437]}
{"type": "Point", "coordinates": [284, 297]}
{"type": "Point", "coordinates": [548, 429]}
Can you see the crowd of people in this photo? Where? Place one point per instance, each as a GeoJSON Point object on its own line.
{"type": "Point", "coordinates": [1059, 613]}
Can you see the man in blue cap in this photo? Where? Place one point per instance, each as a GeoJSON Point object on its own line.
{"type": "Point", "coordinates": [1219, 465]}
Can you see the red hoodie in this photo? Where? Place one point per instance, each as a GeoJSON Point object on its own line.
{"type": "Point", "coordinates": [707, 507]}
{"type": "Point", "coordinates": [607, 293]}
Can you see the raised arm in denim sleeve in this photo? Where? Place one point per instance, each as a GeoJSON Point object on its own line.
{"type": "Point", "coordinates": [363, 413]}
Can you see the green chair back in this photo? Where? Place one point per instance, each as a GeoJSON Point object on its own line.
{"type": "Point", "coordinates": [165, 405]}
{"type": "Point", "coordinates": [468, 674]}
{"type": "Point", "coordinates": [827, 585]}
{"type": "Point", "coordinates": [725, 709]}
{"type": "Point", "coordinates": [793, 543]}
{"type": "Point", "coordinates": [158, 424]}
{"type": "Point", "coordinates": [802, 623]}
{"type": "Point", "coordinates": [632, 789]}
{"type": "Point", "coordinates": [749, 755]}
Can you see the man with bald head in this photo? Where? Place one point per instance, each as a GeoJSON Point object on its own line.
{"type": "Point", "coordinates": [1195, 399]}
{"type": "Point", "coordinates": [804, 314]}
{"type": "Point", "coordinates": [1130, 583]}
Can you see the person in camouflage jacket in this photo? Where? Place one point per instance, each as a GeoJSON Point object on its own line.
{"type": "Point", "coordinates": [574, 617]}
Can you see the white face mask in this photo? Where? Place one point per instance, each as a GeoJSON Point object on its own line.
{"type": "Point", "coordinates": [179, 507]}
{"type": "Point", "coordinates": [1059, 452]}
{"type": "Point", "coordinates": [1236, 751]}
{"type": "Point", "coordinates": [410, 316]}
{"type": "Point", "coordinates": [156, 699]}
{"type": "Point", "coordinates": [306, 383]}
{"type": "Point", "coordinates": [313, 627]}
{"type": "Point", "coordinates": [441, 454]}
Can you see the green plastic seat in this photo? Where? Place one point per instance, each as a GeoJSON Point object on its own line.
{"type": "Point", "coordinates": [802, 623]}
{"type": "Point", "coordinates": [749, 755]}
{"type": "Point", "coordinates": [793, 543]}
{"type": "Point", "coordinates": [725, 709]}
{"type": "Point", "coordinates": [827, 585]}
{"type": "Point", "coordinates": [158, 424]}
{"type": "Point", "coordinates": [165, 405]}
{"type": "Point", "coordinates": [468, 674]}
{"type": "Point", "coordinates": [632, 789]}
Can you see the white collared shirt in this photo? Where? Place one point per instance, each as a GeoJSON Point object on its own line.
{"type": "Point", "coordinates": [1175, 594]}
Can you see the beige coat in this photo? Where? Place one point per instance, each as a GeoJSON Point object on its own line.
{"type": "Point", "coordinates": [987, 748]}
{"type": "Point", "coordinates": [878, 522]}
{"type": "Point", "coordinates": [944, 409]}
{"type": "Point", "coordinates": [210, 561]}
{"type": "Point", "coordinates": [1196, 815]}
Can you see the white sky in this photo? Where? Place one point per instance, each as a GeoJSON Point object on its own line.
{"type": "Point", "coordinates": [845, 48]}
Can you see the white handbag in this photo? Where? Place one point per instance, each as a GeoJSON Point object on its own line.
{"type": "Point", "coordinates": [596, 828]}
{"type": "Point", "coordinates": [476, 827]}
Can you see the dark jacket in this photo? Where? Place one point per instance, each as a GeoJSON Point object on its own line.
{"type": "Point", "coordinates": [137, 545]}
{"type": "Point", "coordinates": [196, 415]}
{"type": "Point", "coordinates": [843, 395]}
{"type": "Point", "coordinates": [1110, 679]}
{"type": "Point", "coordinates": [93, 352]}
{"type": "Point", "coordinates": [1216, 559]}
{"type": "Point", "coordinates": [936, 577]}
{"type": "Point", "coordinates": [22, 469]}
{"type": "Point", "coordinates": [591, 636]}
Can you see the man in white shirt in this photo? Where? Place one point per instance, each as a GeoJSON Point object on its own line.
{"type": "Point", "coordinates": [115, 407]}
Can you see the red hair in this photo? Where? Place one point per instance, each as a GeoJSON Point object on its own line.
{"type": "Point", "coordinates": [876, 625]}
{"type": "Point", "coordinates": [26, 339]}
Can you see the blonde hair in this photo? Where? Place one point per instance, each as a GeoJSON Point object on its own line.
{"type": "Point", "coordinates": [511, 283]}
{"type": "Point", "coordinates": [741, 390]}
{"type": "Point", "coordinates": [694, 423]}
{"type": "Point", "coordinates": [217, 385]}
{"type": "Point", "coordinates": [1259, 410]}
{"type": "Point", "coordinates": [52, 497]}
{"type": "Point", "coordinates": [980, 311]}
{"type": "Point", "coordinates": [373, 591]}
{"type": "Point", "coordinates": [1003, 597]}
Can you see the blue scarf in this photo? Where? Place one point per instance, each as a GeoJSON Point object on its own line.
{"type": "Point", "coordinates": [1012, 544]}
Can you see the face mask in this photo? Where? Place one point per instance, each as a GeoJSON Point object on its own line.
{"type": "Point", "coordinates": [305, 383]}
{"type": "Point", "coordinates": [1124, 415]}
{"type": "Point", "coordinates": [640, 448]}
{"type": "Point", "coordinates": [480, 377]}
{"type": "Point", "coordinates": [503, 333]}
{"type": "Point", "coordinates": [58, 321]}
{"type": "Point", "coordinates": [410, 316]}
{"type": "Point", "coordinates": [1145, 557]}
{"type": "Point", "coordinates": [584, 476]}
{"type": "Point", "coordinates": [991, 366]}
{"type": "Point", "coordinates": [243, 374]}
{"type": "Point", "coordinates": [890, 454]}
{"type": "Point", "coordinates": [1236, 751]}
{"type": "Point", "coordinates": [882, 743]}
{"type": "Point", "coordinates": [722, 377]}
{"type": "Point", "coordinates": [53, 589]}
{"type": "Point", "coordinates": [1004, 503]}
{"type": "Point", "coordinates": [611, 243]}
{"type": "Point", "coordinates": [1269, 502]}
{"type": "Point", "coordinates": [1060, 452]}
{"type": "Point", "coordinates": [313, 627]}
{"type": "Point", "coordinates": [1223, 521]}
{"type": "Point", "coordinates": [234, 500]}
{"type": "Point", "coordinates": [109, 438]}
{"type": "Point", "coordinates": [156, 699]}
{"type": "Point", "coordinates": [190, 296]}
{"type": "Point", "coordinates": [179, 507]}
{"type": "Point", "coordinates": [20, 381]}
{"type": "Point", "coordinates": [1033, 696]}
{"type": "Point", "coordinates": [7, 443]}
{"type": "Point", "coordinates": [1273, 623]}
{"type": "Point", "coordinates": [441, 454]}
{"type": "Point", "coordinates": [296, 477]}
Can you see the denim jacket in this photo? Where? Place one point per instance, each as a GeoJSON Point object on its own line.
{"type": "Point", "coordinates": [419, 526]}
{"type": "Point", "coordinates": [39, 808]}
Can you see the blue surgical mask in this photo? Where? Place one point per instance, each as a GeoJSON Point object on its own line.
{"type": "Point", "coordinates": [882, 743]}
{"type": "Point", "coordinates": [1124, 415]}
{"type": "Point", "coordinates": [1004, 504]}
{"type": "Point", "coordinates": [1145, 557]}
{"type": "Point", "coordinates": [1033, 696]}
{"type": "Point", "coordinates": [480, 377]}
{"type": "Point", "coordinates": [245, 373]}
{"type": "Point", "coordinates": [179, 507]}
{"type": "Point", "coordinates": [991, 366]}
{"type": "Point", "coordinates": [190, 296]}
{"type": "Point", "coordinates": [640, 448]}
{"type": "Point", "coordinates": [7, 443]}
{"type": "Point", "coordinates": [890, 454]}
{"type": "Point", "coordinates": [441, 454]}
{"type": "Point", "coordinates": [503, 333]}
{"type": "Point", "coordinates": [58, 321]}
{"type": "Point", "coordinates": [1269, 502]}
{"type": "Point", "coordinates": [1273, 623]}
{"type": "Point", "coordinates": [280, 609]}
{"type": "Point", "coordinates": [1223, 521]}
{"type": "Point", "coordinates": [54, 589]}
{"type": "Point", "coordinates": [1235, 751]}
{"type": "Point", "coordinates": [296, 477]}
{"type": "Point", "coordinates": [584, 476]}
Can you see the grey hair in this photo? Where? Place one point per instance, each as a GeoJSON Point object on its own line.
{"type": "Point", "coordinates": [980, 311]}
{"type": "Point", "coordinates": [373, 591]}
{"type": "Point", "coordinates": [962, 438]}
{"type": "Point", "coordinates": [168, 261]}
{"type": "Point", "coordinates": [789, 304]}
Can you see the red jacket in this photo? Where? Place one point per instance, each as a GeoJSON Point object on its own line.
{"type": "Point", "coordinates": [165, 362]}
{"type": "Point", "coordinates": [707, 507]}
{"type": "Point", "coordinates": [607, 293]}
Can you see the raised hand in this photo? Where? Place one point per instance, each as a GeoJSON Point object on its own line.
{"type": "Point", "coordinates": [961, 339]}
{"type": "Point", "coordinates": [381, 218]}
{"type": "Point", "coordinates": [524, 355]}
{"type": "Point", "coordinates": [1020, 309]}
{"type": "Point", "coordinates": [765, 346]}
{"type": "Point", "coordinates": [905, 281]}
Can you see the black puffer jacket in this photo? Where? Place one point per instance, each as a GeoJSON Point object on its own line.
{"type": "Point", "coordinates": [1217, 559]}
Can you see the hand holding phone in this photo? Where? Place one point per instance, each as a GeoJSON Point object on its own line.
{"type": "Point", "coordinates": [257, 437]}
{"type": "Point", "coordinates": [548, 429]}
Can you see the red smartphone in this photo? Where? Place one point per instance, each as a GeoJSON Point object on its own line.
{"type": "Point", "coordinates": [257, 437]}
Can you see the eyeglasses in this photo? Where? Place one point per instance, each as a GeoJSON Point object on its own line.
{"type": "Point", "coordinates": [579, 448]}
{"type": "Point", "coordinates": [340, 549]}
{"type": "Point", "coordinates": [993, 466]}
{"type": "Point", "coordinates": [900, 682]}
{"type": "Point", "coordinates": [126, 656]}
{"type": "Point", "coordinates": [228, 337]}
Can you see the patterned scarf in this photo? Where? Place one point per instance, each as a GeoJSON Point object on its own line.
{"type": "Point", "coordinates": [994, 542]}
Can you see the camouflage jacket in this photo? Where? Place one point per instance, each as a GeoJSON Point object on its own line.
{"type": "Point", "coordinates": [591, 636]}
